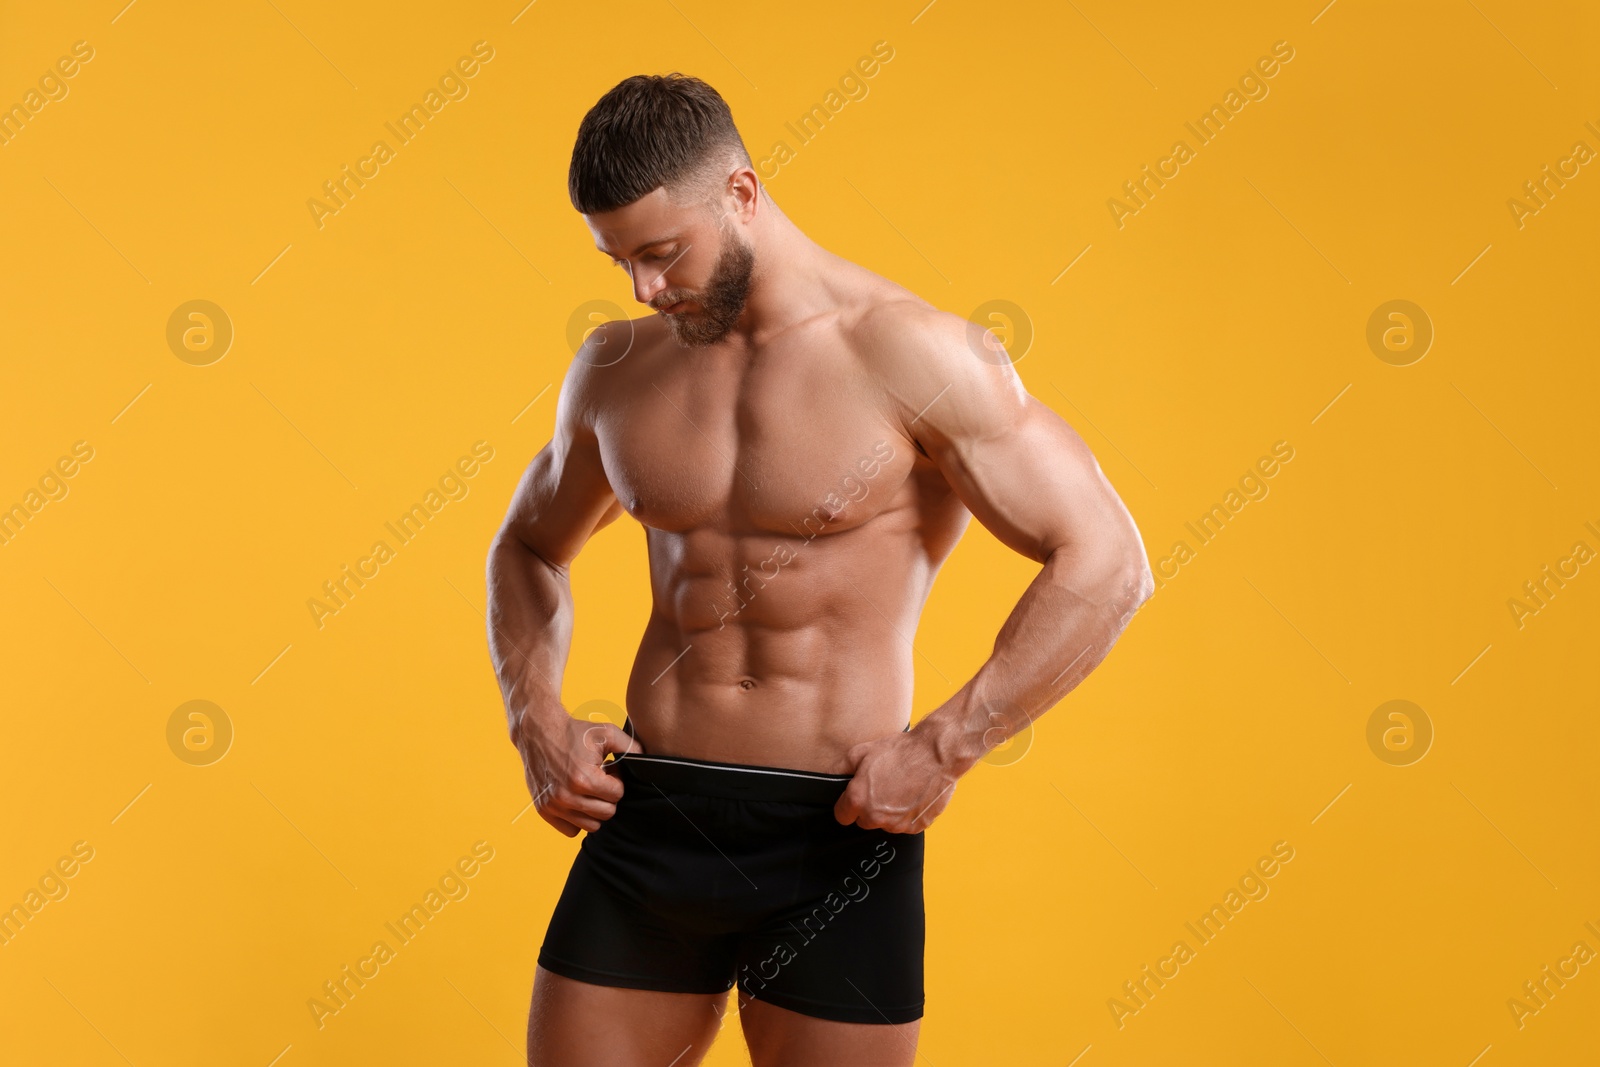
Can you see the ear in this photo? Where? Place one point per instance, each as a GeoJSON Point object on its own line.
{"type": "Point", "coordinates": [745, 190]}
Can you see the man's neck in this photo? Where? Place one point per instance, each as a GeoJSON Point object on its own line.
{"type": "Point", "coordinates": [786, 285]}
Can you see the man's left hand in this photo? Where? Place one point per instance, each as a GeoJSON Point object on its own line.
{"type": "Point", "coordinates": [899, 785]}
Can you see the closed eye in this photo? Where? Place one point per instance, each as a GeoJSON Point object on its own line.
{"type": "Point", "coordinates": [649, 257]}
{"type": "Point", "coordinates": [655, 256]}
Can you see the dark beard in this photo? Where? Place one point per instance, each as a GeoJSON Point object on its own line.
{"type": "Point", "coordinates": [722, 302]}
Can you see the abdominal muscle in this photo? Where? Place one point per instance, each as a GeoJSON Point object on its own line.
{"type": "Point", "coordinates": [806, 657]}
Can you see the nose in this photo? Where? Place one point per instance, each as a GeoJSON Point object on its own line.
{"type": "Point", "coordinates": [647, 284]}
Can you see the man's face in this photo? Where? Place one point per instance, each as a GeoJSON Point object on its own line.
{"type": "Point", "coordinates": [681, 257]}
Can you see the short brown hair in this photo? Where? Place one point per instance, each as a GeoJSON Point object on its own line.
{"type": "Point", "coordinates": [650, 130]}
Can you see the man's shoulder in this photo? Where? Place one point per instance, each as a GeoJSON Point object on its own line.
{"type": "Point", "coordinates": [910, 345]}
{"type": "Point", "coordinates": [891, 319]}
{"type": "Point", "coordinates": [942, 375]}
{"type": "Point", "coordinates": [614, 346]}
{"type": "Point", "coordinates": [603, 359]}
{"type": "Point", "coordinates": [613, 341]}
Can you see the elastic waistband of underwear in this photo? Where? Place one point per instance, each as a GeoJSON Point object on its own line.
{"type": "Point", "coordinates": [736, 781]}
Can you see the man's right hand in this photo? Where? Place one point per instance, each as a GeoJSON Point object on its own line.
{"type": "Point", "coordinates": [564, 761]}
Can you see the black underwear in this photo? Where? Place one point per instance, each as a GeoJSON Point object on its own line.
{"type": "Point", "coordinates": [715, 873]}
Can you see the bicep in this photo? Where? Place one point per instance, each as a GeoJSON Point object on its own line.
{"type": "Point", "coordinates": [557, 506]}
{"type": "Point", "coordinates": [563, 496]}
{"type": "Point", "coordinates": [1025, 474]}
{"type": "Point", "coordinates": [1030, 479]}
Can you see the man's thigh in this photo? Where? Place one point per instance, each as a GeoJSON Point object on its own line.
{"type": "Point", "coordinates": [577, 1024]}
{"type": "Point", "coordinates": [778, 1037]}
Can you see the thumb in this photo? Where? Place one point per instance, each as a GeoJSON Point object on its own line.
{"type": "Point", "coordinates": [857, 754]}
{"type": "Point", "coordinates": [608, 738]}
{"type": "Point", "coordinates": [848, 809]}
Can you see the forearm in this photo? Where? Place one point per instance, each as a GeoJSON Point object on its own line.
{"type": "Point", "coordinates": [530, 616]}
{"type": "Point", "coordinates": [1061, 629]}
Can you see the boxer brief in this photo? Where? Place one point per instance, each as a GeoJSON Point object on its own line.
{"type": "Point", "coordinates": [711, 874]}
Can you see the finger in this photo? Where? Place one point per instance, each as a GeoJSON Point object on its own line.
{"type": "Point", "coordinates": [600, 781]}
{"type": "Point", "coordinates": [583, 821]}
{"type": "Point", "coordinates": [574, 811]}
{"type": "Point", "coordinates": [589, 807]}
{"type": "Point", "coordinates": [606, 787]}
{"type": "Point", "coordinates": [558, 822]}
{"type": "Point", "coordinates": [610, 771]}
{"type": "Point", "coordinates": [848, 809]}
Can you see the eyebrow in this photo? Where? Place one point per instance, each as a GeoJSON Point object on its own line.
{"type": "Point", "coordinates": [647, 244]}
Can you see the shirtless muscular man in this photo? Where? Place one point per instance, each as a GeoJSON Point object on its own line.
{"type": "Point", "coordinates": [803, 442]}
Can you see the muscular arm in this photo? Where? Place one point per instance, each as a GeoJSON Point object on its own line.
{"type": "Point", "coordinates": [1033, 483]}
{"type": "Point", "coordinates": [562, 499]}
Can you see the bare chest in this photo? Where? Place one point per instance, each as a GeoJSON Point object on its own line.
{"type": "Point", "coordinates": [789, 442]}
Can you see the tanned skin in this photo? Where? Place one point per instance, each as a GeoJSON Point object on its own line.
{"type": "Point", "coordinates": [800, 479]}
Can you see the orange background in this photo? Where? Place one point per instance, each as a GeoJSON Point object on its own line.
{"type": "Point", "coordinates": [434, 310]}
